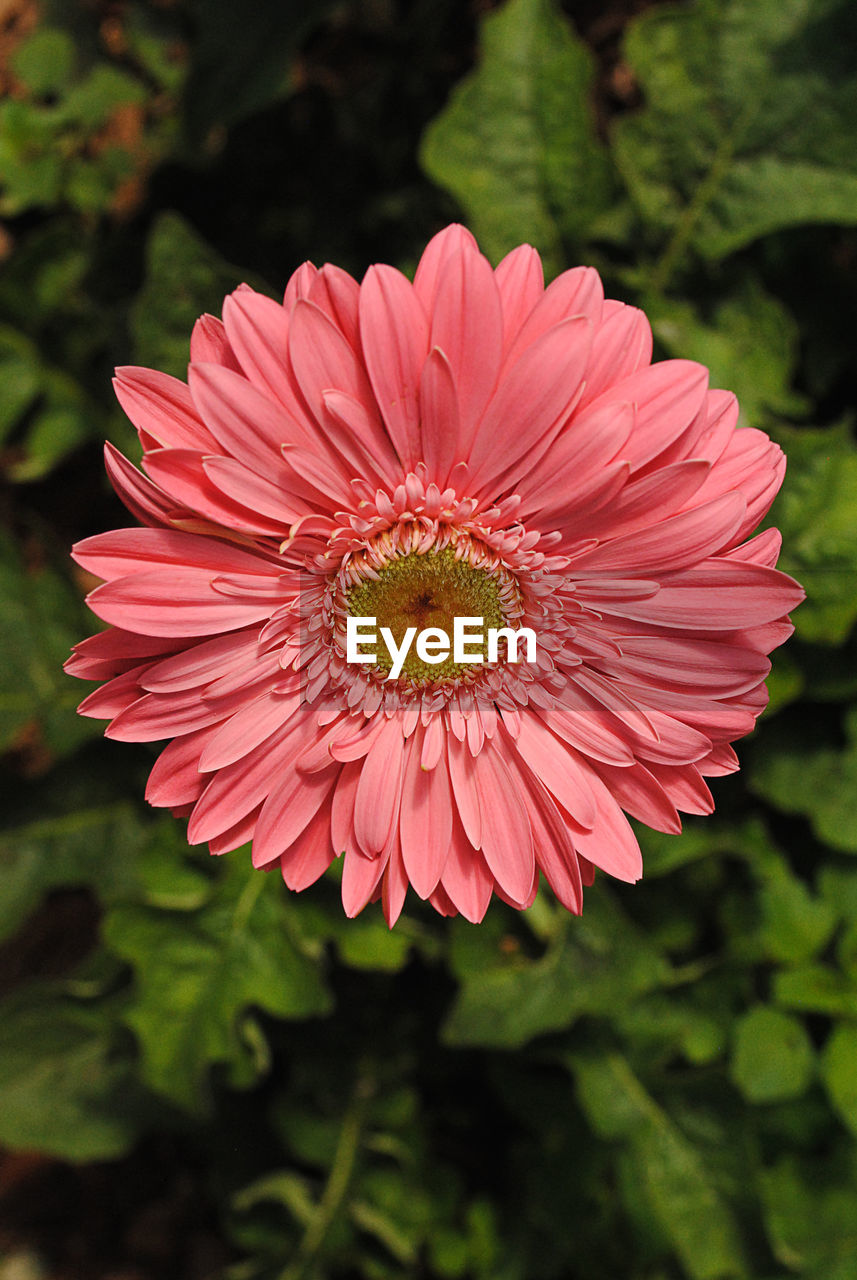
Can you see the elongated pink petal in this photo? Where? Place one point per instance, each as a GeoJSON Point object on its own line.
{"type": "Point", "coordinates": [440, 249]}
{"type": "Point", "coordinates": [257, 329]}
{"type": "Point", "coordinates": [439, 417]}
{"type": "Point", "coordinates": [507, 839]}
{"type": "Point", "coordinates": [308, 857]}
{"type": "Point", "coordinates": [520, 283]}
{"type": "Point", "coordinates": [162, 407]}
{"type": "Point", "coordinates": [467, 326]}
{"type": "Point", "coordinates": [210, 345]}
{"type": "Point", "coordinates": [539, 390]}
{"type": "Point", "coordinates": [377, 799]}
{"type": "Point", "coordinates": [425, 824]}
{"type": "Point", "coordinates": [293, 802]}
{"type": "Point", "coordinates": [395, 337]}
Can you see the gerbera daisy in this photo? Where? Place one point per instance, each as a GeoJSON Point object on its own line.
{"type": "Point", "coordinates": [470, 446]}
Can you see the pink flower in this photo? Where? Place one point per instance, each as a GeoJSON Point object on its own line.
{"type": "Point", "coordinates": [471, 444]}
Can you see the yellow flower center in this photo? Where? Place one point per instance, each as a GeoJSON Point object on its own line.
{"type": "Point", "coordinates": [428, 589]}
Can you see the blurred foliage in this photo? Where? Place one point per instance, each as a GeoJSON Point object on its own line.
{"type": "Point", "coordinates": [664, 1089]}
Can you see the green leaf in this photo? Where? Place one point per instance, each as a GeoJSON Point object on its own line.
{"type": "Point", "coordinates": [184, 278]}
{"type": "Point", "coordinates": [91, 102]}
{"type": "Point", "coordinates": [669, 1170]}
{"type": "Point", "coordinates": [747, 339]}
{"type": "Point", "coordinates": [596, 964]}
{"type": "Point", "coordinates": [772, 1057]}
{"type": "Point", "coordinates": [105, 846]}
{"type": "Point", "coordinates": [45, 62]}
{"type": "Point", "coordinates": [817, 514]}
{"type": "Point", "coordinates": [64, 1089]}
{"type": "Point", "coordinates": [809, 1207]}
{"type": "Point", "coordinates": [41, 616]}
{"type": "Point", "coordinates": [20, 377]}
{"type": "Point", "coordinates": [749, 105]}
{"type": "Point", "coordinates": [516, 145]}
{"type": "Point", "coordinates": [816, 988]}
{"type": "Point", "coordinates": [800, 776]}
{"type": "Point", "coordinates": [838, 1063]}
{"type": "Point", "coordinates": [198, 974]}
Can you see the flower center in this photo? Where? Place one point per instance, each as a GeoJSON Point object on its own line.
{"type": "Point", "coordinates": [432, 588]}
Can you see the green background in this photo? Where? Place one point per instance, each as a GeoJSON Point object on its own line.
{"type": "Point", "coordinates": [204, 1076]}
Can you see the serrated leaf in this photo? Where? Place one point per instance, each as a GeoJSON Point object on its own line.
{"type": "Point", "coordinates": [772, 1057]}
{"type": "Point", "coordinates": [197, 974]}
{"type": "Point", "coordinates": [516, 145]}
{"type": "Point", "coordinates": [748, 108]}
{"type": "Point", "coordinates": [747, 339]}
{"type": "Point", "coordinates": [669, 1170]}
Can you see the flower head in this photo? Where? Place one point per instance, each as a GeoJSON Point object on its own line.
{"type": "Point", "coordinates": [470, 446]}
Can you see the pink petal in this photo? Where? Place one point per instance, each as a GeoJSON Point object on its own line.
{"type": "Point", "coordinates": [175, 778]}
{"type": "Point", "coordinates": [248, 727]}
{"type": "Point", "coordinates": [245, 423]}
{"type": "Point", "coordinates": [181, 473]}
{"type": "Point", "coordinates": [520, 282]}
{"type": "Point", "coordinates": [467, 326]}
{"type": "Point", "coordinates": [640, 794]}
{"type": "Point", "coordinates": [668, 396]}
{"type": "Point", "coordinates": [293, 802]}
{"type": "Point", "coordinates": [360, 877]}
{"type": "Point", "coordinates": [309, 856]}
{"type": "Point", "coordinates": [466, 879]}
{"type": "Point", "coordinates": [555, 854]}
{"type": "Point", "coordinates": [538, 391]}
{"type": "Point", "coordinates": [425, 824]}
{"type": "Point", "coordinates": [577, 292]}
{"type": "Point", "coordinates": [338, 296]}
{"type": "Point", "coordinates": [621, 345]}
{"type": "Point", "coordinates": [672, 544]}
{"type": "Point", "coordinates": [439, 418]}
{"type": "Point", "coordinates": [507, 839]}
{"type": "Point", "coordinates": [210, 345]}
{"type": "Point", "coordinates": [174, 602]}
{"type": "Point", "coordinates": [430, 270]}
{"type": "Point", "coordinates": [122, 551]}
{"type": "Point", "coordinates": [149, 504]}
{"type": "Point", "coordinates": [716, 596]}
{"type": "Point", "coordinates": [611, 844]}
{"type": "Point", "coordinates": [395, 883]}
{"type": "Point", "coordinates": [394, 331]}
{"type": "Point", "coordinates": [556, 768]}
{"type": "Point", "coordinates": [379, 789]}
{"type": "Point", "coordinates": [162, 407]}
{"type": "Point", "coordinates": [258, 329]}
{"type": "Point", "coordinates": [323, 360]}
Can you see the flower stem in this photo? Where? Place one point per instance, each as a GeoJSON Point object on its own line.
{"type": "Point", "coordinates": [338, 1180]}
